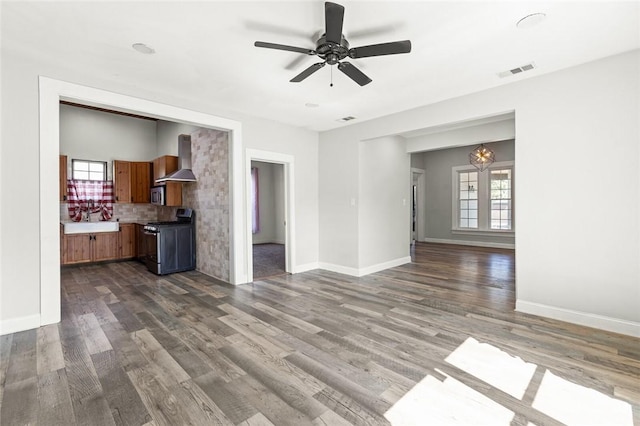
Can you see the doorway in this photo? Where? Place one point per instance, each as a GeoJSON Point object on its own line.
{"type": "Point", "coordinates": [417, 206]}
{"type": "Point", "coordinates": [267, 219]}
{"type": "Point", "coordinates": [277, 171]}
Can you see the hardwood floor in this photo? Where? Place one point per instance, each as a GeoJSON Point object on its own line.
{"type": "Point", "coordinates": [431, 342]}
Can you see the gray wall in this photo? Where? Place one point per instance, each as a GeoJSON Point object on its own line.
{"type": "Point", "coordinates": [561, 119]}
{"type": "Point", "coordinates": [22, 274]}
{"type": "Point", "coordinates": [271, 203]}
{"type": "Point", "coordinates": [93, 135]}
{"type": "Point", "coordinates": [438, 193]}
{"type": "Point", "coordinates": [167, 136]}
{"type": "Point", "coordinates": [384, 197]}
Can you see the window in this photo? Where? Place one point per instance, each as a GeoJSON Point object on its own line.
{"type": "Point", "coordinates": [500, 198]}
{"type": "Point", "coordinates": [468, 200]}
{"type": "Point", "coordinates": [483, 201]}
{"type": "Point", "coordinates": [88, 170]}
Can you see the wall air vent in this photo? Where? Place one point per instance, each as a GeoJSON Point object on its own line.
{"type": "Point", "coordinates": [344, 119]}
{"type": "Point", "coordinates": [517, 70]}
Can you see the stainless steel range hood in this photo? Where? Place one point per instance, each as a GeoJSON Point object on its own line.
{"type": "Point", "coordinates": [184, 173]}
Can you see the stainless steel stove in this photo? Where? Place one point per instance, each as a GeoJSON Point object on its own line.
{"type": "Point", "coordinates": [171, 246]}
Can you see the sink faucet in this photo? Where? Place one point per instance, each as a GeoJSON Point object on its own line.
{"type": "Point", "coordinates": [89, 207]}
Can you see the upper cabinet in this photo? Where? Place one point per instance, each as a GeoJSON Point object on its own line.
{"type": "Point", "coordinates": [140, 182]}
{"type": "Point", "coordinates": [63, 178]}
{"type": "Point", "coordinates": [132, 181]}
{"type": "Point", "coordinates": [162, 166]}
{"type": "Point", "coordinates": [122, 181]}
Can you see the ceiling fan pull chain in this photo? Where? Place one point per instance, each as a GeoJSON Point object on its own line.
{"type": "Point", "coordinates": [331, 73]}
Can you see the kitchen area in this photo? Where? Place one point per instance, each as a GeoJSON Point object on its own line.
{"type": "Point", "coordinates": [134, 187]}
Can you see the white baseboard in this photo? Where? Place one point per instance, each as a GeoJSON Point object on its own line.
{"type": "Point", "coordinates": [15, 325]}
{"type": "Point", "coordinates": [339, 269]}
{"type": "Point", "coordinates": [385, 265]}
{"type": "Point", "coordinates": [306, 267]}
{"type": "Point", "coordinates": [355, 272]}
{"type": "Point", "coordinates": [470, 243]}
{"type": "Point", "coordinates": [616, 325]}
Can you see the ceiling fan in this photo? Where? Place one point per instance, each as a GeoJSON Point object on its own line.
{"type": "Point", "coordinates": [333, 48]}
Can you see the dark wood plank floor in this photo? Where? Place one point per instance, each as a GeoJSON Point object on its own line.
{"type": "Point", "coordinates": [431, 342]}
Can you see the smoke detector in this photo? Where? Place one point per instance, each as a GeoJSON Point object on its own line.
{"type": "Point", "coordinates": [517, 70]}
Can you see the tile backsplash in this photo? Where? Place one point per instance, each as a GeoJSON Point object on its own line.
{"type": "Point", "coordinates": [125, 212]}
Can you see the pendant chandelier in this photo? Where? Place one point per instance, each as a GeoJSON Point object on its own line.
{"type": "Point", "coordinates": [481, 157]}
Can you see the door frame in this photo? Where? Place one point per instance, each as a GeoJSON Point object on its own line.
{"type": "Point", "coordinates": [51, 91]}
{"type": "Point", "coordinates": [420, 202]}
{"type": "Point", "coordinates": [287, 162]}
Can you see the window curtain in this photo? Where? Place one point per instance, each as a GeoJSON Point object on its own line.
{"type": "Point", "coordinates": [93, 196]}
{"type": "Point", "coordinates": [255, 207]}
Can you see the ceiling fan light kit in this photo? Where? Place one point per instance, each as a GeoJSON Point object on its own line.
{"type": "Point", "coordinates": [333, 48]}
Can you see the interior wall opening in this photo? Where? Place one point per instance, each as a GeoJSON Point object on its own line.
{"type": "Point", "coordinates": [462, 207]}
{"type": "Point", "coordinates": [268, 219]}
{"type": "Point", "coordinates": [51, 93]}
{"type": "Point", "coordinates": [274, 224]}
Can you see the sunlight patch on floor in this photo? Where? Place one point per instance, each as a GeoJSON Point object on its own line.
{"type": "Point", "coordinates": [574, 404]}
{"type": "Point", "coordinates": [451, 402]}
{"type": "Point", "coordinates": [486, 362]}
{"type": "Point", "coordinates": [447, 402]}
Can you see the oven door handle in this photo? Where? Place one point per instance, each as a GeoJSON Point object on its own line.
{"type": "Point", "coordinates": [153, 234]}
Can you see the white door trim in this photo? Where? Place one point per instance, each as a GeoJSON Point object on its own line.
{"type": "Point", "coordinates": [289, 211]}
{"type": "Point", "coordinates": [420, 203]}
{"type": "Point", "coordinates": [51, 91]}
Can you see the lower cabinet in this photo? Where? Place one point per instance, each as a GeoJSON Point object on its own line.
{"type": "Point", "coordinates": [76, 248]}
{"type": "Point", "coordinates": [98, 247]}
{"type": "Point", "coordinates": [105, 246]}
{"type": "Point", "coordinates": [127, 240]}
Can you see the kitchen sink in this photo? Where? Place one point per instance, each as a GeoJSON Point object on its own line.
{"type": "Point", "coordinates": [90, 227]}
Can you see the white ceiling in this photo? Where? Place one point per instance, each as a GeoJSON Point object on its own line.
{"type": "Point", "coordinates": [204, 50]}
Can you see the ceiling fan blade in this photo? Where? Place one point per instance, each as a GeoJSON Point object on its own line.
{"type": "Point", "coordinates": [284, 47]}
{"type": "Point", "coordinates": [333, 18]}
{"type": "Point", "coordinates": [390, 48]}
{"type": "Point", "coordinates": [306, 73]}
{"type": "Point", "coordinates": [354, 73]}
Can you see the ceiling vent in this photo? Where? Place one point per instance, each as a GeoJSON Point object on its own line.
{"type": "Point", "coordinates": [344, 119]}
{"type": "Point", "coordinates": [517, 70]}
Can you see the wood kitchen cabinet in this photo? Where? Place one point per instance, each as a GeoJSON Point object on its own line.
{"type": "Point", "coordinates": [162, 166]}
{"type": "Point", "coordinates": [122, 181]}
{"type": "Point", "coordinates": [141, 182]}
{"type": "Point", "coordinates": [63, 178]}
{"type": "Point", "coordinates": [127, 241]}
{"type": "Point", "coordinates": [173, 194]}
{"type": "Point", "coordinates": [105, 246]}
{"type": "Point", "coordinates": [95, 247]}
{"type": "Point", "coordinates": [76, 248]}
{"type": "Point", "coordinates": [132, 181]}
